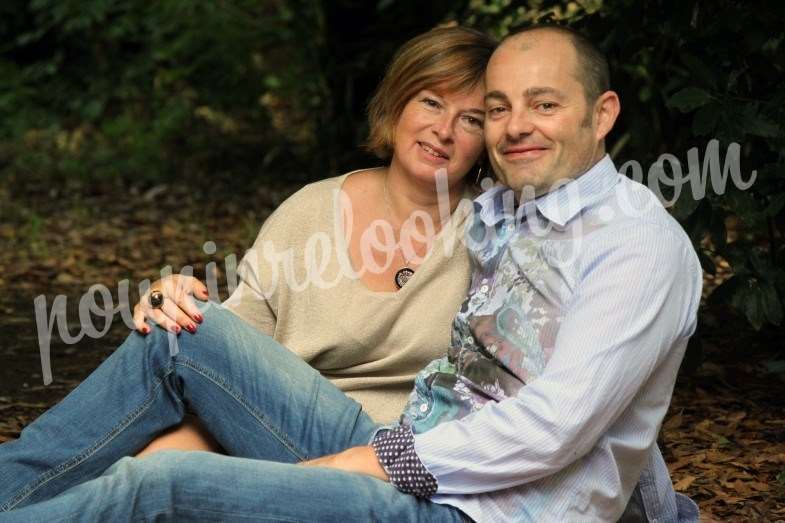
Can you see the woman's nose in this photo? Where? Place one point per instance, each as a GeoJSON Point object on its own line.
{"type": "Point", "coordinates": [442, 128]}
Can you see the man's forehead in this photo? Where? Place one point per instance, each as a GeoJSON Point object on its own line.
{"type": "Point", "coordinates": [529, 92]}
{"type": "Point", "coordinates": [530, 61]}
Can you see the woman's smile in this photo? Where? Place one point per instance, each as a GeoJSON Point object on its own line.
{"type": "Point", "coordinates": [432, 153]}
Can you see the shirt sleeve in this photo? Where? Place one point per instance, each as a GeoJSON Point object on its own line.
{"type": "Point", "coordinates": [635, 302]}
{"type": "Point", "coordinates": [395, 451]}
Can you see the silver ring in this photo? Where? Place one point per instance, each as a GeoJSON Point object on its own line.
{"type": "Point", "coordinates": [156, 299]}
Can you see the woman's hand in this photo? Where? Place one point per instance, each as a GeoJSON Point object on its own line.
{"type": "Point", "coordinates": [178, 311]}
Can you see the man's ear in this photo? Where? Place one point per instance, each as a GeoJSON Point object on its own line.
{"type": "Point", "coordinates": [606, 110]}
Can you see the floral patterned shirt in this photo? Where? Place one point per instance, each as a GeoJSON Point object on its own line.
{"type": "Point", "coordinates": [563, 359]}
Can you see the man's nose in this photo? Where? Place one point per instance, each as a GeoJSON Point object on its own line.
{"type": "Point", "coordinates": [519, 125]}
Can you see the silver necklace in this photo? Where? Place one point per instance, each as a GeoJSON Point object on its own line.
{"type": "Point", "coordinates": [405, 273]}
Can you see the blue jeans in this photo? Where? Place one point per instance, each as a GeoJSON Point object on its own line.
{"type": "Point", "coordinates": [264, 405]}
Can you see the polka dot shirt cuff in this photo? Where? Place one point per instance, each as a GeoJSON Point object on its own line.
{"type": "Point", "coordinates": [395, 451]}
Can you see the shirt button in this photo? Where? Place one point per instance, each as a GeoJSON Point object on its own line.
{"type": "Point", "coordinates": [423, 408]}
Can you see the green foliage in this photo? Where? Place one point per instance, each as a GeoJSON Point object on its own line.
{"type": "Point", "coordinates": [98, 88]}
{"type": "Point", "coordinates": [108, 89]}
{"type": "Point", "coordinates": [689, 99]}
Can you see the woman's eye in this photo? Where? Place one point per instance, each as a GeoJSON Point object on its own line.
{"type": "Point", "coordinates": [430, 102]}
{"type": "Point", "coordinates": [474, 122]}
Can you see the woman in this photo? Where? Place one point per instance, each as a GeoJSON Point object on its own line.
{"type": "Point", "coordinates": [360, 332]}
{"type": "Point", "coordinates": [363, 333]}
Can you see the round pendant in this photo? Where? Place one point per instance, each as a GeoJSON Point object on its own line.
{"type": "Point", "coordinates": [402, 276]}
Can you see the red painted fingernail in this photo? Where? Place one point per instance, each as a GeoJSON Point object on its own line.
{"type": "Point", "coordinates": [177, 329]}
{"type": "Point", "coordinates": [191, 328]}
{"type": "Point", "coordinates": [199, 318]}
{"type": "Point", "coordinates": [146, 330]}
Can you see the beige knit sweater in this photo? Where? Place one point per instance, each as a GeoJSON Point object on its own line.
{"type": "Point", "coordinates": [296, 284]}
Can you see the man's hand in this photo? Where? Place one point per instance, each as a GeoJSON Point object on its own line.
{"type": "Point", "coordinates": [360, 460]}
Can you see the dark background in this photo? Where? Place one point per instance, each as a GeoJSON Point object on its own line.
{"type": "Point", "coordinates": [132, 132]}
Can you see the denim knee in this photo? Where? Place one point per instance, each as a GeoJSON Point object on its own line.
{"type": "Point", "coordinates": [146, 477]}
{"type": "Point", "coordinates": [221, 335]}
{"type": "Point", "coordinates": [161, 343]}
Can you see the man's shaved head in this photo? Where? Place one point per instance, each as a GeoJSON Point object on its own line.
{"type": "Point", "coordinates": [592, 66]}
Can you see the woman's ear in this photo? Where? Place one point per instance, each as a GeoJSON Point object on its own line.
{"type": "Point", "coordinates": [606, 110]}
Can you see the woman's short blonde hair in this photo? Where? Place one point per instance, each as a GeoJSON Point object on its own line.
{"type": "Point", "coordinates": [450, 57]}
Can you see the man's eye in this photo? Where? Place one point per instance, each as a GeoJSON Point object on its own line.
{"type": "Point", "coordinates": [494, 111]}
{"type": "Point", "coordinates": [546, 106]}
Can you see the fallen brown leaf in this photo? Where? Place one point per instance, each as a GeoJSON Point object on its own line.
{"type": "Point", "coordinates": [684, 483]}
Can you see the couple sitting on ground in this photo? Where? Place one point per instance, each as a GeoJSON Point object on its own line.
{"type": "Point", "coordinates": [542, 403]}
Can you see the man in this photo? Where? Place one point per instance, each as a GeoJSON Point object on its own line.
{"type": "Point", "coordinates": [585, 307]}
{"type": "Point", "coordinates": [549, 401]}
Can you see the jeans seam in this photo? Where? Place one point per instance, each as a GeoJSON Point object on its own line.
{"type": "Point", "coordinates": [63, 468]}
{"type": "Point", "coordinates": [312, 401]}
{"type": "Point", "coordinates": [216, 379]}
{"type": "Point", "coordinates": [172, 511]}
{"type": "Point", "coordinates": [647, 499]}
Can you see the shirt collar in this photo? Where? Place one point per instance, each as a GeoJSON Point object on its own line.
{"type": "Point", "coordinates": [558, 206]}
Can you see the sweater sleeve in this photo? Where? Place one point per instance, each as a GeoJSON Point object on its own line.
{"type": "Point", "coordinates": [261, 274]}
{"type": "Point", "coordinates": [253, 300]}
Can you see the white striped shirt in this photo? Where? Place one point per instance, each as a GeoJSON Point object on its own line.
{"type": "Point", "coordinates": [591, 297]}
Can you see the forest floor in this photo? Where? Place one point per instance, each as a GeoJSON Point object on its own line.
{"type": "Point", "coordinates": [723, 438]}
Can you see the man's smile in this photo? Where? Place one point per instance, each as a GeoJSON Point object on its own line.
{"type": "Point", "coordinates": [523, 152]}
